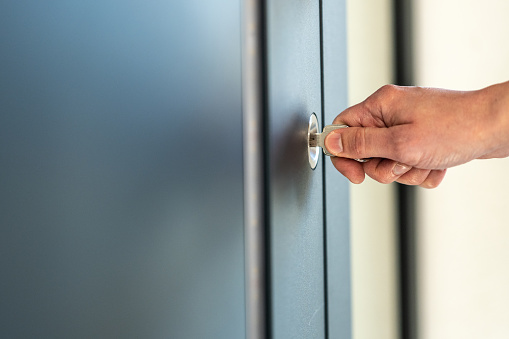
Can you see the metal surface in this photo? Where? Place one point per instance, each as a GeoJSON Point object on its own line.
{"type": "Point", "coordinates": [255, 214]}
{"type": "Point", "coordinates": [336, 189]}
{"type": "Point", "coordinates": [295, 191]}
{"type": "Point", "coordinates": [110, 226]}
{"type": "Point", "coordinates": [313, 146]}
{"type": "Point", "coordinates": [319, 138]}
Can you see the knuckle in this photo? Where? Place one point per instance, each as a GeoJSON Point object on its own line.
{"type": "Point", "coordinates": [382, 172]}
{"type": "Point", "coordinates": [429, 185]}
{"type": "Point", "coordinates": [416, 177]}
{"type": "Point", "coordinates": [383, 178]}
{"type": "Point", "coordinates": [388, 89]}
{"type": "Point", "coordinates": [388, 92]}
{"type": "Point", "coordinates": [405, 150]}
{"type": "Point", "coordinates": [386, 179]}
{"type": "Point", "coordinates": [359, 143]}
{"type": "Point", "coordinates": [400, 151]}
{"type": "Point", "coordinates": [414, 180]}
{"type": "Point", "coordinates": [379, 102]}
{"type": "Point", "coordinates": [434, 179]}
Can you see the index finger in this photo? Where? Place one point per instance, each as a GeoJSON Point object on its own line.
{"type": "Point", "coordinates": [358, 115]}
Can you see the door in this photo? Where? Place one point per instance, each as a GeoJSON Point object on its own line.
{"type": "Point", "coordinates": [121, 169]}
{"type": "Point", "coordinates": [127, 173]}
{"type": "Point", "coordinates": [305, 239]}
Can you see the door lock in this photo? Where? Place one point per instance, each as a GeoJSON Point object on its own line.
{"type": "Point", "coordinates": [313, 149]}
{"type": "Point", "coordinates": [317, 140]}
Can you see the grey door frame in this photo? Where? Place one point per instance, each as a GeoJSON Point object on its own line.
{"type": "Point", "coordinates": [255, 215]}
{"type": "Point", "coordinates": [334, 98]}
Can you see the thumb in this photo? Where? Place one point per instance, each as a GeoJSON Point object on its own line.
{"type": "Point", "coordinates": [361, 142]}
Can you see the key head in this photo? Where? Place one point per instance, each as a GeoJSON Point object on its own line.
{"type": "Point", "coordinates": [326, 130]}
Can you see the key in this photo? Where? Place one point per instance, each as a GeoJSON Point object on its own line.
{"type": "Point", "coordinates": [318, 139]}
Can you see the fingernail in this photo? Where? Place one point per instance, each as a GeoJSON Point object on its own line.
{"type": "Point", "coordinates": [333, 143]}
{"type": "Point", "coordinates": [400, 169]}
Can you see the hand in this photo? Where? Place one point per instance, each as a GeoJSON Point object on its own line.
{"type": "Point", "coordinates": [414, 134]}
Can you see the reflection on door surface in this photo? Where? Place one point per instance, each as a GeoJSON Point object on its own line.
{"type": "Point", "coordinates": [123, 177]}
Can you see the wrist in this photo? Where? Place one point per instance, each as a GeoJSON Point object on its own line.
{"type": "Point", "coordinates": [496, 120]}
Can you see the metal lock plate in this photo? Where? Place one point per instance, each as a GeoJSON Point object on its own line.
{"type": "Point", "coordinates": [313, 149]}
{"type": "Point", "coordinates": [317, 140]}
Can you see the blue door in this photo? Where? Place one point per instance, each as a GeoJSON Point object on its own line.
{"type": "Point", "coordinates": [308, 209]}
{"type": "Point", "coordinates": [123, 179]}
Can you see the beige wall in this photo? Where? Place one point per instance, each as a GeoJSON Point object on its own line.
{"type": "Point", "coordinates": [374, 272]}
{"type": "Point", "coordinates": [463, 226]}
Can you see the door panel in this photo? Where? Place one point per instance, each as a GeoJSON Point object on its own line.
{"type": "Point", "coordinates": [121, 177]}
{"type": "Point", "coordinates": [295, 190]}
{"type": "Point", "coordinates": [120, 197]}
{"type": "Point", "coordinates": [337, 199]}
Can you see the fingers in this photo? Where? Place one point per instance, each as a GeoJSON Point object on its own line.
{"type": "Point", "coordinates": [351, 169]}
{"type": "Point", "coordinates": [362, 142]}
{"type": "Point", "coordinates": [373, 111]}
{"type": "Point", "coordinates": [434, 179]}
{"type": "Point", "coordinates": [384, 170]}
{"type": "Point", "coordinates": [357, 116]}
{"type": "Point", "coordinates": [414, 177]}
{"type": "Point", "coordinates": [387, 171]}
{"type": "Point", "coordinates": [422, 178]}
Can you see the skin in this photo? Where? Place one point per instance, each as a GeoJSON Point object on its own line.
{"type": "Point", "coordinates": [414, 134]}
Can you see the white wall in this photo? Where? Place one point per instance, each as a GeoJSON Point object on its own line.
{"type": "Point", "coordinates": [463, 226]}
{"type": "Point", "coordinates": [373, 236]}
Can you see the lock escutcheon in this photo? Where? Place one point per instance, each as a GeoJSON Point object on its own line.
{"type": "Point", "coordinates": [313, 149]}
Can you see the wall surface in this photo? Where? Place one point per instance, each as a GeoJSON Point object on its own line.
{"type": "Point", "coordinates": [463, 226]}
{"type": "Point", "coordinates": [373, 233]}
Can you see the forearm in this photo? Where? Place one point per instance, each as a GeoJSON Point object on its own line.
{"type": "Point", "coordinates": [496, 128]}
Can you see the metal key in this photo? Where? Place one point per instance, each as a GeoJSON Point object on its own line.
{"type": "Point", "coordinates": [318, 139]}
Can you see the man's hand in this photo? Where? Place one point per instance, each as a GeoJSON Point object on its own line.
{"type": "Point", "coordinates": [414, 134]}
